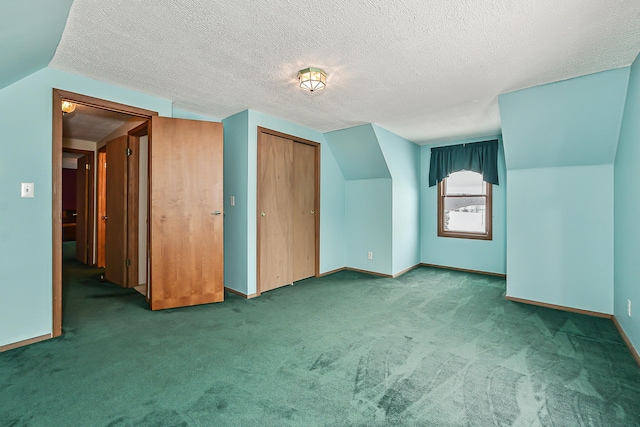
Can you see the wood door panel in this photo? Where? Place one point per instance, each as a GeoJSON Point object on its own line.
{"type": "Point", "coordinates": [274, 200]}
{"type": "Point", "coordinates": [186, 190]}
{"type": "Point", "coordinates": [116, 204]}
{"type": "Point", "coordinates": [81, 210]}
{"type": "Point", "coordinates": [304, 220]}
{"type": "Point", "coordinates": [101, 207]}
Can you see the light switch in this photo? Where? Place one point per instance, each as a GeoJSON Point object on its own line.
{"type": "Point", "coordinates": [26, 190]}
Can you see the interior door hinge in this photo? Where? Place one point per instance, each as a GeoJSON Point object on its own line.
{"type": "Point", "coordinates": [129, 151]}
{"type": "Point", "coordinates": [87, 166]}
{"type": "Point", "coordinates": [128, 262]}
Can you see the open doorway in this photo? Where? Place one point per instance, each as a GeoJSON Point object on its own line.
{"type": "Point", "coordinates": [185, 253]}
{"type": "Point", "coordinates": [79, 135]}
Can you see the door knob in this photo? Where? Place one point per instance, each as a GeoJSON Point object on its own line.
{"type": "Point", "coordinates": [216, 213]}
{"type": "Point", "coordinates": [104, 217]}
{"type": "Point", "coordinates": [263, 214]}
{"type": "Point", "coordinates": [313, 212]}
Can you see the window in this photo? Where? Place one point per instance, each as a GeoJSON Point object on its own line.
{"type": "Point", "coordinates": [464, 206]}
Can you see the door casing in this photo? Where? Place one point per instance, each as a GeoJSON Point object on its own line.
{"type": "Point", "coordinates": [56, 220]}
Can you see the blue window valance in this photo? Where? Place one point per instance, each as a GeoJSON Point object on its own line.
{"type": "Point", "coordinates": [480, 157]}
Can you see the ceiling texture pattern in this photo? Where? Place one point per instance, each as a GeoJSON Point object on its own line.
{"type": "Point", "coordinates": [428, 70]}
{"type": "Point", "coordinates": [91, 124]}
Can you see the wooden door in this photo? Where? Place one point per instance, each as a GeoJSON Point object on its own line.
{"type": "Point", "coordinates": [82, 189]}
{"type": "Point", "coordinates": [275, 212]}
{"type": "Point", "coordinates": [288, 218]}
{"type": "Point", "coordinates": [185, 213]}
{"type": "Point", "coordinates": [116, 212]}
{"type": "Point", "coordinates": [101, 205]}
{"type": "Point", "coordinates": [304, 211]}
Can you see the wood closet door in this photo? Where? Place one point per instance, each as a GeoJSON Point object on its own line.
{"type": "Point", "coordinates": [287, 211]}
{"type": "Point", "coordinates": [185, 213]}
{"type": "Point", "coordinates": [304, 211]}
{"type": "Point", "coordinates": [275, 212]}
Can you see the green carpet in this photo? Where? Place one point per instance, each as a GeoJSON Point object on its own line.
{"type": "Point", "coordinates": [431, 348]}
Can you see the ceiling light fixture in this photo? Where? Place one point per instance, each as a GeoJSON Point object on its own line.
{"type": "Point", "coordinates": [68, 107]}
{"type": "Point", "coordinates": [312, 79]}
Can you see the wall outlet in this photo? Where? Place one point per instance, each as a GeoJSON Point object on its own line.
{"type": "Point", "coordinates": [232, 200]}
{"type": "Point", "coordinates": [629, 307]}
{"type": "Point", "coordinates": [369, 255]}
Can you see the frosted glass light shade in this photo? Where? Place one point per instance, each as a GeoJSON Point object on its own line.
{"type": "Point", "coordinates": [312, 79]}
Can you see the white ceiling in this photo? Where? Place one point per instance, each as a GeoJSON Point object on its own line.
{"type": "Point", "coordinates": [427, 70]}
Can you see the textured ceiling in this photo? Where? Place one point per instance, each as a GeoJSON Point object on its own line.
{"type": "Point", "coordinates": [427, 70]}
{"type": "Point", "coordinates": [92, 124]}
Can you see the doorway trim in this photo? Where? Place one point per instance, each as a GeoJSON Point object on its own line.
{"type": "Point", "coordinates": [56, 196]}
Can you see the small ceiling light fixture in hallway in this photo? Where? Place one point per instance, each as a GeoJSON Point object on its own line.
{"type": "Point", "coordinates": [312, 79]}
{"type": "Point", "coordinates": [68, 107]}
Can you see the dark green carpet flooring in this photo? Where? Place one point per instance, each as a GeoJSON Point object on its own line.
{"type": "Point", "coordinates": [431, 348]}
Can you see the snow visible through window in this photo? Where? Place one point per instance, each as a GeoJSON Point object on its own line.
{"type": "Point", "coordinates": [464, 212]}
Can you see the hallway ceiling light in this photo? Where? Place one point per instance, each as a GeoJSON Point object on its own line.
{"type": "Point", "coordinates": [68, 107]}
{"type": "Point", "coordinates": [312, 79]}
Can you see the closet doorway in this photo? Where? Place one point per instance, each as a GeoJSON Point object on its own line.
{"type": "Point", "coordinates": [288, 209]}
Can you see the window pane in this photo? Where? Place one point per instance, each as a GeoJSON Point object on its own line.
{"type": "Point", "coordinates": [465, 214]}
{"type": "Point", "coordinates": [465, 182]}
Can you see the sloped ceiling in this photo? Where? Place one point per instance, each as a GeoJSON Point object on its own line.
{"type": "Point", "coordinates": [570, 123]}
{"type": "Point", "coordinates": [358, 153]}
{"type": "Point", "coordinates": [29, 34]}
{"type": "Point", "coordinates": [429, 71]}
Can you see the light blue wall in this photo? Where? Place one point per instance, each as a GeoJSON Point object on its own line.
{"type": "Point", "coordinates": [481, 255]}
{"type": "Point", "coordinates": [29, 34]}
{"type": "Point", "coordinates": [560, 238]}
{"type": "Point", "coordinates": [368, 224]}
{"type": "Point", "coordinates": [25, 224]}
{"type": "Point", "coordinates": [244, 183]}
{"type": "Point", "coordinates": [379, 167]}
{"type": "Point", "coordinates": [560, 142]}
{"type": "Point", "coordinates": [236, 239]}
{"type": "Point", "coordinates": [332, 213]}
{"type": "Point", "coordinates": [569, 123]}
{"type": "Point", "coordinates": [403, 160]}
{"type": "Point", "coordinates": [382, 207]}
{"type": "Point", "coordinates": [626, 213]}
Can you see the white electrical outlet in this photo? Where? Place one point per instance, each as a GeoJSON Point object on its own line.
{"type": "Point", "coordinates": [629, 307]}
{"type": "Point", "coordinates": [233, 200]}
{"type": "Point", "coordinates": [369, 255]}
